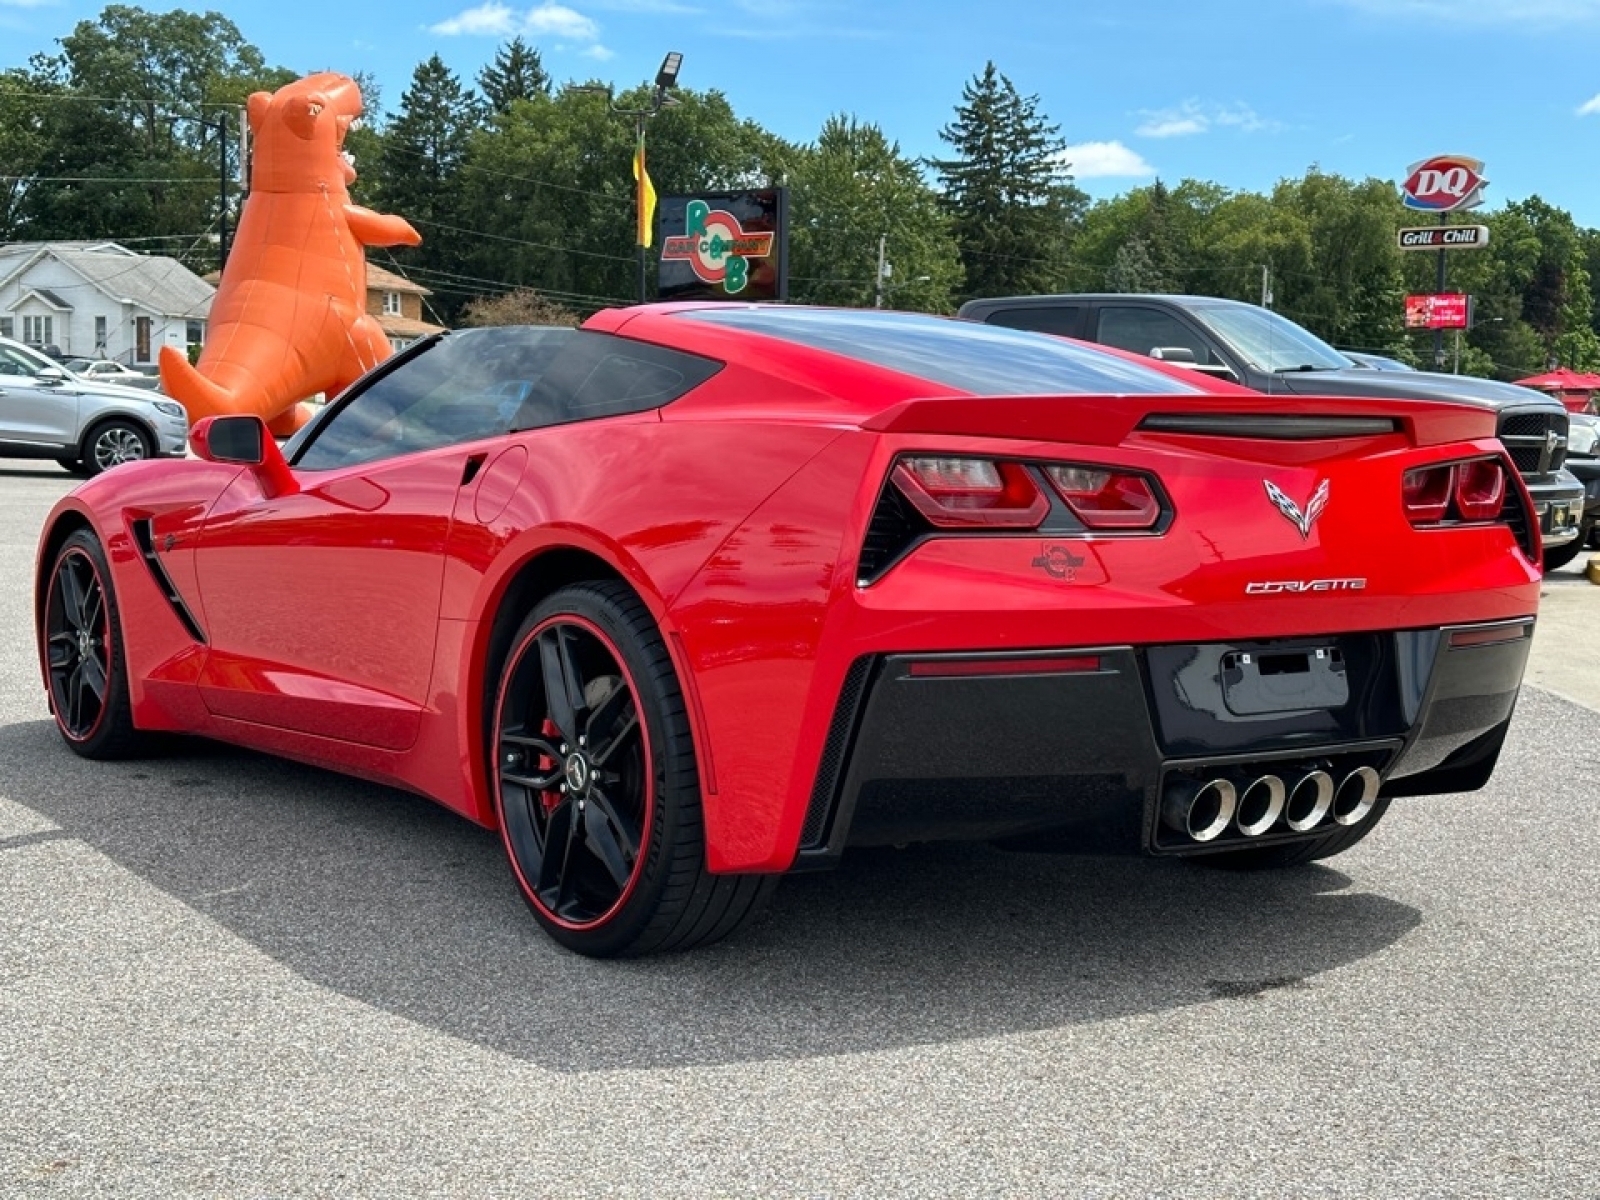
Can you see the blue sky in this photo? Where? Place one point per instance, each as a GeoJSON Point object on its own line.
{"type": "Point", "coordinates": [1240, 93]}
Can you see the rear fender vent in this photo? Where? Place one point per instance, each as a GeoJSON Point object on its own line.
{"type": "Point", "coordinates": [896, 527]}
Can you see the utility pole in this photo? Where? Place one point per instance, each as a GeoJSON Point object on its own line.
{"type": "Point", "coordinates": [883, 269]}
{"type": "Point", "coordinates": [1266, 286]}
{"type": "Point", "coordinates": [1438, 334]}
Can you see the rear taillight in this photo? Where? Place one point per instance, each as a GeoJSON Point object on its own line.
{"type": "Point", "coordinates": [1474, 490]}
{"type": "Point", "coordinates": [972, 493]}
{"type": "Point", "coordinates": [1480, 489]}
{"type": "Point", "coordinates": [1104, 499]}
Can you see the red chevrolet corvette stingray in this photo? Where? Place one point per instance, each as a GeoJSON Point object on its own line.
{"type": "Point", "coordinates": [698, 594]}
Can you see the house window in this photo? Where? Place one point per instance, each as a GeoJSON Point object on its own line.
{"type": "Point", "coordinates": [6, 327]}
{"type": "Point", "coordinates": [195, 333]}
{"type": "Point", "coordinates": [391, 304]}
{"type": "Point", "coordinates": [398, 344]}
{"type": "Point", "coordinates": [38, 331]}
{"type": "Point", "coordinates": [99, 335]}
{"type": "Point", "coordinates": [141, 339]}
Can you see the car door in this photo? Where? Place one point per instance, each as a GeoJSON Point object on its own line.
{"type": "Point", "coordinates": [322, 605]}
{"type": "Point", "coordinates": [34, 411]}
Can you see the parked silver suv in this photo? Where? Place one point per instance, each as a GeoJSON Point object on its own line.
{"type": "Point", "coordinates": [48, 412]}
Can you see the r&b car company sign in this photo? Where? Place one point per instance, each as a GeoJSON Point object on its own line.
{"type": "Point", "coordinates": [1444, 183]}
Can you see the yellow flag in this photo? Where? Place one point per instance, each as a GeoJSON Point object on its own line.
{"type": "Point", "coordinates": [646, 195]}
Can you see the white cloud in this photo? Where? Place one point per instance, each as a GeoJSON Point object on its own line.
{"type": "Point", "coordinates": [670, 8]}
{"type": "Point", "coordinates": [494, 19]}
{"type": "Point", "coordinates": [501, 20]}
{"type": "Point", "coordinates": [600, 53]}
{"type": "Point", "coordinates": [1103, 160]}
{"type": "Point", "coordinates": [1192, 117]}
{"type": "Point", "coordinates": [27, 3]}
{"type": "Point", "coordinates": [1485, 12]}
{"type": "Point", "coordinates": [557, 20]}
{"type": "Point", "coordinates": [1589, 107]}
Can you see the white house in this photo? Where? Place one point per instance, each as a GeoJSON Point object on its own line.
{"type": "Point", "coordinates": [100, 300]}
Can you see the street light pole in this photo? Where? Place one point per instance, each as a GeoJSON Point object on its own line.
{"type": "Point", "coordinates": [666, 81]}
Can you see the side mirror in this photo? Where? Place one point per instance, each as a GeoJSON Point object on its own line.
{"type": "Point", "coordinates": [50, 376]}
{"type": "Point", "coordinates": [1174, 354]}
{"type": "Point", "coordinates": [244, 440]}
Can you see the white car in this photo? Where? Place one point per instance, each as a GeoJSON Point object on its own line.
{"type": "Point", "coordinates": [104, 370]}
{"type": "Point", "coordinates": [85, 425]}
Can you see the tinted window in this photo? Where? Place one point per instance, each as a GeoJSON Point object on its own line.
{"type": "Point", "coordinates": [1142, 330]}
{"type": "Point", "coordinates": [983, 359]}
{"type": "Point", "coordinates": [480, 383]}
{"type": "Point", "coordinates": [1062, 319]}
{"type": "Point", "coordinates": [1269, 342]}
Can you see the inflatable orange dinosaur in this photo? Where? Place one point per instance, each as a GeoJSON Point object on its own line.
{"type": "Point", "coordinates": [290, 315]}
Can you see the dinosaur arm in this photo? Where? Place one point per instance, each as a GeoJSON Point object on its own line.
{"type": "Point", "coordinates": [380, 229]}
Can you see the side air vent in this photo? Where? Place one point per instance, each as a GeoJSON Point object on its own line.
{"type": "Point", "coordinates": [895, 527]}
{"type": "Point", "coordinates": [825, 788]}
{"type": "Point", "coordinates": [144, 538]}
{"type": "Point", "coordinates": [1268, 428]}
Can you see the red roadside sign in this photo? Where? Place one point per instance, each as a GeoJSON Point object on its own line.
{"type": "Point", "coordinates": [1446, 310]}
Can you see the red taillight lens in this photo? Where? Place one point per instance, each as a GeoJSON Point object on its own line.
{"type": "Point", "coordinates": [1104, 499]}
{"type": "Point", "coordinates": [957, 493]}
{"type": "Point", "coordinates": [1462, 491]}
{"type": "Point", "coordinates": [1480, 489]}
{"type": "Point", "coordinates": [1425, 492]}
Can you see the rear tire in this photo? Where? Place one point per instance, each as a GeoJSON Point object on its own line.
{"type": "Point", "coordinates": [1294, 854]}
{"type": "Point", "coordinates": [81, 636]}
{"type": "Point", "coordinates": [596, 787]}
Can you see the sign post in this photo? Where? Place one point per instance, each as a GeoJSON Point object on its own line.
{"type": "Point", "coordinates": [1443, 184]}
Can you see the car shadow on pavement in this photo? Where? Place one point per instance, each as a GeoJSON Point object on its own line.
{"type": "Point", "coordinates": [395, 902]}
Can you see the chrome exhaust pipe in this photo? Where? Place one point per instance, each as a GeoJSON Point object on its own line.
{"type": "Point", "coordinates": [1202, 811]}
{"type": "Point", "coordinates": [1260, 805]}
{"type": "Point", "coordinates": [1309, 801]}
{"type": "Point", "coordinates": [1357, 793]}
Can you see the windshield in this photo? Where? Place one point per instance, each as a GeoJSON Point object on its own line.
{"type": "Point", "coordinates": [1269, 342]}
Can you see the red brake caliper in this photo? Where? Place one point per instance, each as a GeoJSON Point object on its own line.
{"type": "Point", "coordinates": [552, 797]}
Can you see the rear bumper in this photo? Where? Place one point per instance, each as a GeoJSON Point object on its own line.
{"type": "Point", "coordinates": [1086, 743]}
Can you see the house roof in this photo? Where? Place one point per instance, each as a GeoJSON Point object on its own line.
{"type": "Point", "coordinates": [155, 283]}
{"type": "Point", "coordinates": [396, 326]}
{"type": "Point", "coordinates": [388, 281]}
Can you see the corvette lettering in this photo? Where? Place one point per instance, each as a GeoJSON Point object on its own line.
{"type": "Point", "coordinates": [1279, 587]}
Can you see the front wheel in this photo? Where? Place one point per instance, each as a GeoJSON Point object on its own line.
{"type": "Point", "coordinates": [84, 660]}
{"type": "Point", "coordinates": [1559, 556]}
{"type": "Point", "coordinates": [596, 785]}
{"type": "Point", "coordinates": [112, 443]}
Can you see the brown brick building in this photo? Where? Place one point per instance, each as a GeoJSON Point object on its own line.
{"type": "Point", "coordinates": [397, 303]}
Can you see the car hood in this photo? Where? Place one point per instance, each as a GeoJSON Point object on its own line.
{"type": "Point", "coordinates": [115, 391]}
{"type": "Point", "coordinates": [1420, 385]}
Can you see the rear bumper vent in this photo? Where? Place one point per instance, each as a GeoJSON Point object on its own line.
{"type": "Point", "coordinates": [894, 529]}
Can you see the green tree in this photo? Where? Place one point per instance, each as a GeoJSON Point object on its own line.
{"type": "Point", "coordinates": [420, 162]}
{"type": "Point", "coordinates": [1010, 196]}
{"type": "Point", "coordinates": [517, 73]}
{"type": "Point", "coordinates": [850, 192]}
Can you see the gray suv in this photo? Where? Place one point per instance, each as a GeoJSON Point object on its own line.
{"type": "Point", "coordinates": [48, 412]}
{"type": "Point", "coordinates": [1256, 347]}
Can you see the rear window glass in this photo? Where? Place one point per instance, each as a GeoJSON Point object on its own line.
{"type": "Point", "coordinates": [986, 360]}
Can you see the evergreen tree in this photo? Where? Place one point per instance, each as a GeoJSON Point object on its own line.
{"type": "Point", "coordinates": [517, 73]}
{"type": "Point", "coordinates": [1133, 269]}
{"type": "Point", "coordinates": [420, 163]}
{"type": "Point", "coordinates": [1011, 200]}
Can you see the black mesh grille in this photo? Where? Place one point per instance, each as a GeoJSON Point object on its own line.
{"type": "Point", "coordinates": [1537, 441]}
{"type": "Point", "coordinates": [1516, 514]}
{"type": "Point", "coordinates": [895, 525]}
{"type": "Point", "coordinates": [833, 751]}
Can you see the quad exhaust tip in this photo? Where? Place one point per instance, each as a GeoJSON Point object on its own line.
{"type": "Point", "coordinates": [1260, 805]}
{"type": "Point", "coordinates": [1204, 810]}
{"type": "Point", "coordinates": [1356, 795]}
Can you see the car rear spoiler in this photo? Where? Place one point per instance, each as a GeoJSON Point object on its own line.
{"type": "Point", "coordinates": [1111, 420]}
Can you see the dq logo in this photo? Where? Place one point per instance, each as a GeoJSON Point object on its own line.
{"type": "Point", "coordinates": [1444, 183]}
{"type": "Point", "coordinates": [716, 248]}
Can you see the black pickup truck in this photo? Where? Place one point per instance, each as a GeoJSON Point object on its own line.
{"type": "Point", "coordinates": [1258, 348]}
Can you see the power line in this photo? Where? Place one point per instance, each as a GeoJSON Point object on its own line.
{"type": "Point", "coordinates": [560, 187]}
{"type": "Point", "coordinates": [211, 183]}
{"type": "Point", "coordinates": [500, 237]}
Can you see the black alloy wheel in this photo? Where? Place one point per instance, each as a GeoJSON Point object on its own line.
{"type": "Point", "coordinates": [596, 786]}
{"type": "Point", "coordinates": [83, 653]}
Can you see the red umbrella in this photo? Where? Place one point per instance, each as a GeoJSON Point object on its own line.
{"type": "Point", "coordinates": [1562, 379]}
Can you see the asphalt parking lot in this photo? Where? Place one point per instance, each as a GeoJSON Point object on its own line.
{"type": "Point", "coordinates": [223, 975]}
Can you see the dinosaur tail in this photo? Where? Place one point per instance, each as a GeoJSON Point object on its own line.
{"type": "Point", "coordinates": [198, 395]}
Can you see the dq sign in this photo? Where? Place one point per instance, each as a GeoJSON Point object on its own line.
{"type": "Point", "coordinates": [1444, 183]}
